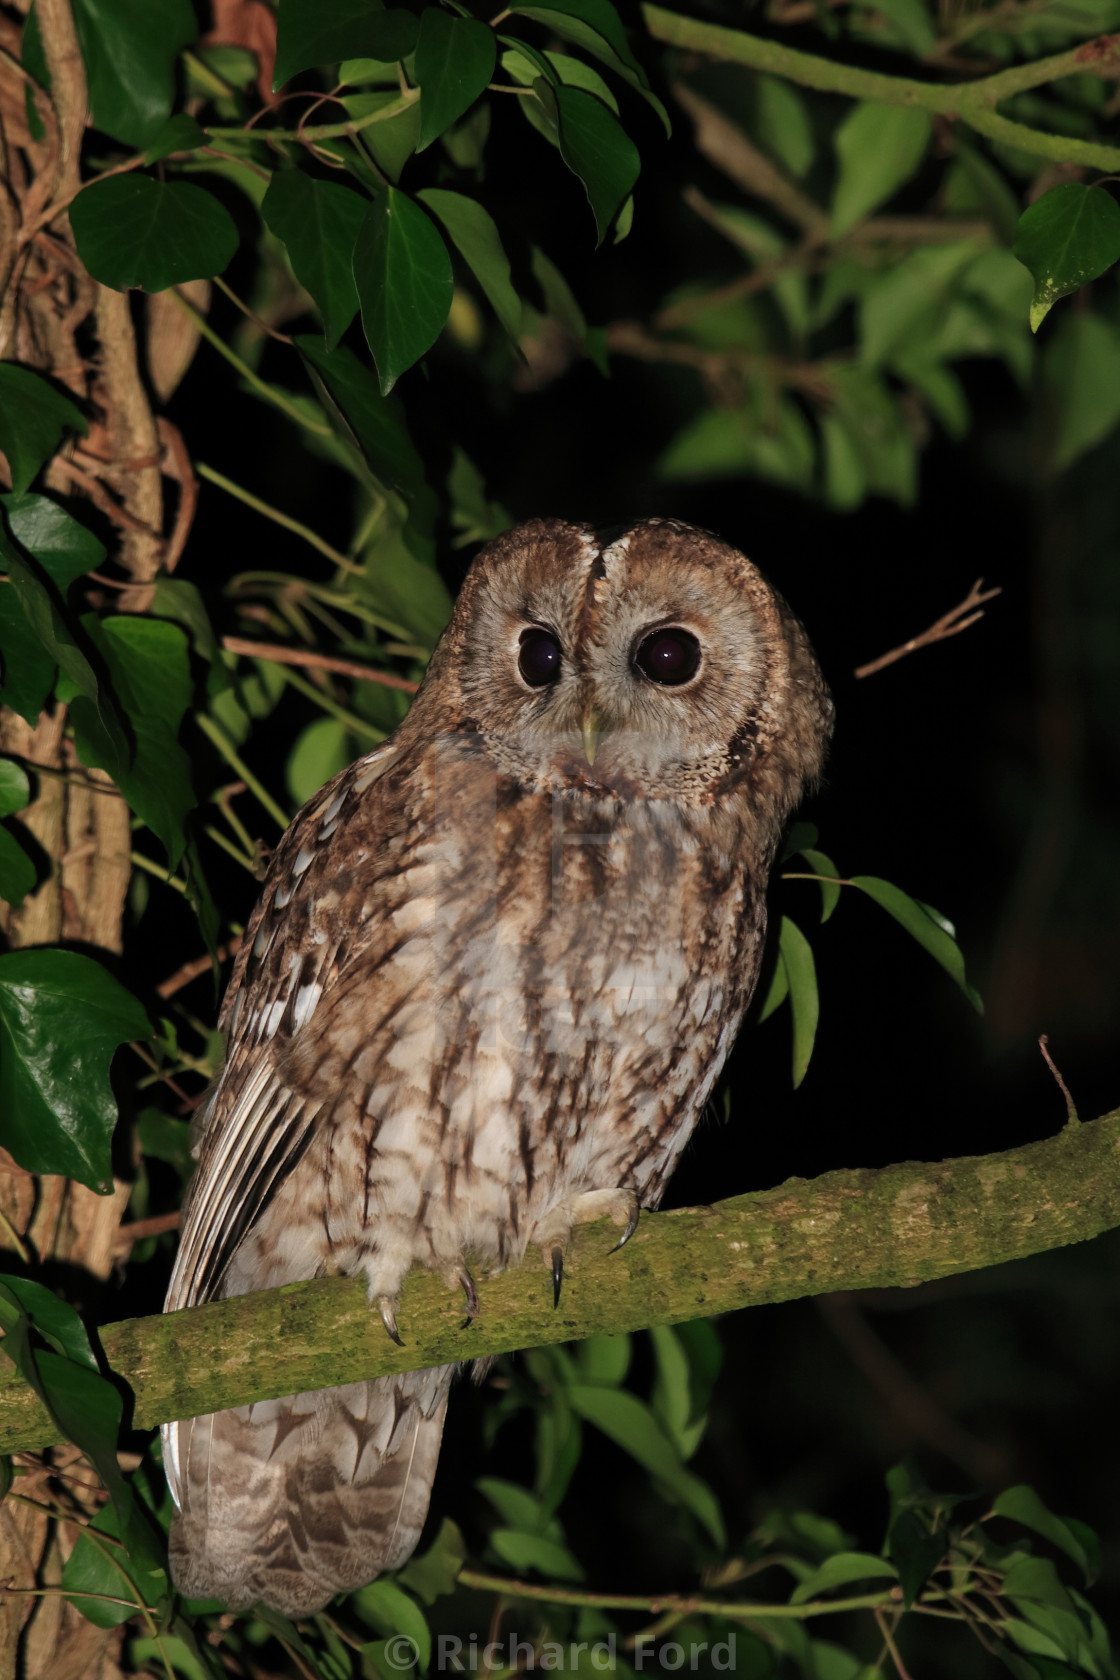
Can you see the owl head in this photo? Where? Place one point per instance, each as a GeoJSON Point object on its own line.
{"type": "Point", "coordinates": [657, 665]}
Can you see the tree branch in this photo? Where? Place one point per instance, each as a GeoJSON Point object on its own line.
{"type": "Point", "coordinates": [858, 1229]}
{"type": "Point", "coordinates": [973, 102]}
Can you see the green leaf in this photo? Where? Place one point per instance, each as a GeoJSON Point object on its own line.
{"type": "Point", "coordinates": [876, 432]}
{"type": "Point", "coordinates": [596, 26]}
{"type": "Point", "coordinates": [96, 1567]}
{"type": "Point", "coordinates": [914, 1551]}
{"type": "Point", "coordinates": [839, 1570]}
{"type": "Point", "coordinates": [475, 237]}
{"type": "Point", "coordinates": [604, 1360]}
{"type": "Point", "coordinates": [34, 414]}
{"type": "Point", "coordinates": [314, 32]}
{"type": "Point", "coordinates": [62, 546]}
{"type": "Point", "coordinates": [1081, 377]}
{"type": "Point", "coordinates": [573, 72]}
{"type": "Point", "coordinates": [782, 124]}
{"type": "Point", "coordinates": [525, 1552]}
{"type": "Point", "coordinates": [61, 1018]}
{"type": "Point", "coordinates": [179, 133]}
{"type": "Point", "coordinates": [912, 24]}
{"type": "Point", "coordinates": [776, 993]}
{"type": "Point", "coordinates": [434, 1574]}
{"type": "Point", "coordinates": [390, 1610]}
{"type": "Point", "coordinates": [801, 973]}
{"type": "Point", "coordinates": [672, 1399]}
{"type": "Point", "coordinates": [17, 872]}
{"type": "Point", "coordinates": [318, 223]}
{"type": "Point", "coordinates": [162, 1138]}
{"type": "Point", "coordinates": [905, 304]}
{"type": "Point", "coordinates": [455, 60]}
{"type": "Point", "coordinates": [130, 49]}
{"type": "Point", "coordinates": [33, 585]}
{"type": "Point", "coordinates": [15, 789]}
{"type": "Point", "coordinates": [921, 926]}
{"type": "Point", "coordinates": [149, 664]}
{"type": "Point", "coordinates": [374, 424]}
{"type": "Point", "coordinates": [1066, 238]}
{"type": "Point", "coordinates": [54, 1319]}
{"type": "Point", "coordinates": [132, 230]}
{"type": "Point", "coordinates": [596, 147]}
{"type": "Point", "coordinates": [1023, 1505]}
{"type": "Point", "coordinates": [393, 140]}
{"type": "Point", "coordinates": [405, 285]}
{"type": "Point", "coordinates": [632, 1426]}
{"type": "Point", "coordinates": [769, 439]}
{"type": "Point", "coordinates": [830, 889]}
{"type": "Point", "coordinates": [323, 748]}
{"type": "Point", "coordinates": [878, 147]}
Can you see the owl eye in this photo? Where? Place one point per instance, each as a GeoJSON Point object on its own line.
{"type": "Point", "coordinates": [539, 659]}
{"type": "Point", "coordinates": [668, 657]}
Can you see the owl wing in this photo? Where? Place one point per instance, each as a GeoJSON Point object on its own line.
{"type": "Point", "coordinates": [256, 1125]}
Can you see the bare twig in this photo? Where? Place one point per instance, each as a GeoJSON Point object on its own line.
{"type": "Point", "coordinates": [317, 662]}
{"type": "Point", "coordinates": [191, 970]}
{"type": "Point", "coordinates": [1071, 1106]}
{"type": "Point", "coordinates": [952, 623]}
{"type": "Point", "coordinates": [141, 1228]}
{"type": "Point", "coordinates": [888, 1640]}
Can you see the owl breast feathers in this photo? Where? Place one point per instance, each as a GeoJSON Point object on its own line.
{"type": "Point", "coordinates": [494, 972]}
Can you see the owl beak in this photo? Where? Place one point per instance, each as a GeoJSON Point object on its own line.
{"type": "Point", "coordinates": [590, 727]}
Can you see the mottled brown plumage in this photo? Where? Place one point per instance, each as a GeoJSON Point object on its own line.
{"type": "Point", "coordinates": [493, 975]}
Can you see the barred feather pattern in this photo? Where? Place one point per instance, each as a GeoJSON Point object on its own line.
{"type": "Point", "coordinates": [490, 982]}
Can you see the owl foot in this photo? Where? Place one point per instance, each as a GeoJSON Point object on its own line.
{"type": "Point", "coordinates": [466, 1283]}
{"type": "Point", "coordinates": [386, 1306]}
{"type": "Point", "coordinates": [552, 1236]}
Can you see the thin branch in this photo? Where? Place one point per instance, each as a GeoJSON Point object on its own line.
{"type": "Point", "coordinates": [888, 1640]}
{"type": "Point", "coordinates": [858, 1229]}
{"type": "Point", "coordinates": [317, 662]}
{"type": "Point", "coordinates": [679, 1604]}
{"type": "Point", "coordinates": [191, 970]}
{"type": "Point", "coordinates": [969, 612]}
{"type": "Point", "coordinates": [1071, 1107]}
{"type": "Point", "coordinates": [225, 746]}
{"type": "Point", "coordinates": [141, 1228]}
{"type": "Point", "coordinates": [973, 102]}
{"type": "Point", "coordinates": [261, 386]}
{"type": "Point", "coordinates": [212, 476]}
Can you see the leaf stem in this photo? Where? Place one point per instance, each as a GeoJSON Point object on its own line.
{"type": "Point", "coordinates": [225, 746]}
{"type": "Point", "coordinates": [212, 476]}
{"type": "Point", "coordinates": [261, 386]}
{"type": "Point", "coordinates": [160, 873]}
{"type": "Point", "coordinates": [325, 131]}
{"type": "Point", "coordinates": [677, 1603]}
{"type": "Point", "coordinates": [973, 102]}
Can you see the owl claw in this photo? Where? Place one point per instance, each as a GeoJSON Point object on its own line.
{"type": "Point", "coordinates": [466, 1283]}
{"type": "Point", "coordinates": [631, 1226]}
{"type": "Point", "coordinates": [557, 1274]}
{"type": "Point", "coordinates": [389, 1319]}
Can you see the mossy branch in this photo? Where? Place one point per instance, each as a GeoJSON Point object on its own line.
{"type": "Point", "coordinates": [859, 1229]}
{"type": "Point", "coordinates": [972, 102]}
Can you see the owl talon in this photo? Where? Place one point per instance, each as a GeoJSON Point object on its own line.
{"type": "Point", "coordinates": [389, 1319]}
{"type": "Point", "coordinates": [557, 1274]}
{"type": "Point", "coordinates": [631, 1226]}
{"type": "Point", "coordinates": [466, 1283]}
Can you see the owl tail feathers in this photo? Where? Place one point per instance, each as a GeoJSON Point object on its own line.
{"type": "Point", "coordinates": [287, 1502]}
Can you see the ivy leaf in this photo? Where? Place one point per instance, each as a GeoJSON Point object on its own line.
{"type": "Point", "coordinates": [15, 789]}
{"type": "Point", "coordinates": [914, 1551]}
{"type": "Point", "coordinates": [61, 1018]}
{"type": "Point", "coordinates": [596, 147]}
{"type": "Point", "coordinates": [129, 49]}
{"type": "Point", "coordinates": [801, 975]}
{"type": "Point", "coordinates": [920, 924]}
{"type": "Point", "coordinates": [17, 872]}
{"type": "Point", "coordinates": [33, 416]}
{"type": "Point", "coordinates": [148, 663]}
{"type": "Point", "coordinates": [64, 550]}
{"type": "Point", "coordinates": [454, 61]}
{"type": "Point", "coordinates": [434, 1573]}
{"type": "Point", "coordinates": [596, 26]}
{"type": "Point", "coordinates": [179, 133]}
{"type": "Point", "coordinates": [475, 237]}
{"type": "Point", "coordinates": [1081, 375]}
{"type": "Point", "coordinates": [1066, 238]}
{"type": "Point", "coordinates": [313, 32]}
{"type": "Point", "coordinates": [318, 223]}
{"type": "Point", "coordinates": [390, 1610]}
{"type": "Point", "coordinates": [878, 147]}
{"type": "Point", "coordinates": [132, 230]}
{"type": "Point", "coordinates": [374, 424]}
{"type": "Point", "coordinates": [42, 610]}
{"type": "Point", "coordinates": [405, 285]}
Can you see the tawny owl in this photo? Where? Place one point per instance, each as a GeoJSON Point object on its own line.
{"type": "Point", "coordinates": [494, 972]}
